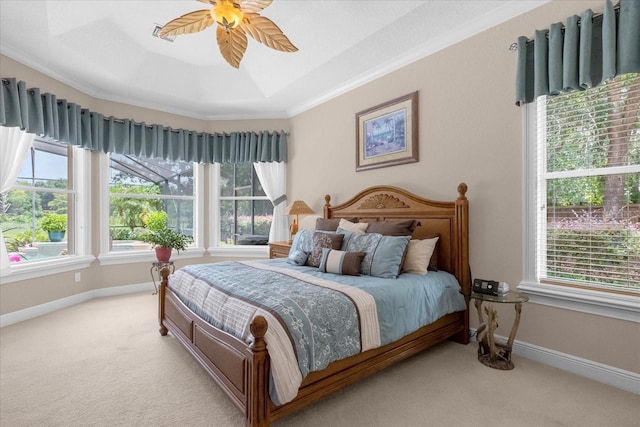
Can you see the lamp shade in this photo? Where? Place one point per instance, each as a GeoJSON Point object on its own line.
{"type": "Point", "coordinates": [298, 207]}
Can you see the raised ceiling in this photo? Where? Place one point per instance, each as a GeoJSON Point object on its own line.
{"type": "Point", "coordinates": [106, 49]}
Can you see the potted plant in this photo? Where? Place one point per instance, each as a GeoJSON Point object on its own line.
{"type": "Point", "coordinates": [162, 238]}
{"type": "Point", "coordinates": [55, 225]}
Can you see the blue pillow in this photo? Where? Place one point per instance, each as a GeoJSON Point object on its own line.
{"type": "Point", "coordinates": [387, 259]}
{"type": "Point", "coordinates": [297, 257]}
{"type": "Point", "coordinates": [384, 254]}
{"type": "Point", "coordinates": [303, 241]}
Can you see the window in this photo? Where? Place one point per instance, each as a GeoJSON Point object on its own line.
{"type": "Point", "coordinates": [140, 187]}
{"type": "Point", "coordinates": [43, 215]}
{"type": "Point", "coordinates": [244, 210]}
{"type": "Point", "coordinates": [583, 179]}
{"type": "Point", "coordinates": [35, 211]}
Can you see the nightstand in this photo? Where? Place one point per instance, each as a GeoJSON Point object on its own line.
{"type": "Point", "coordinates": [491, 352]}
{"type": "Point", "coordinates": [279, 249]}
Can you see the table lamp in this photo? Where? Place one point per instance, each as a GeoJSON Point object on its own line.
{"type": "Point", "coordinates": [297, 208]}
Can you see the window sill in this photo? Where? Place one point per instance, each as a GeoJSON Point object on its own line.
{"type": "Point", "coordinates": [33, 270]}
{"type": "Point", "coordinates": [147, 255]}
{"type": "Point", "coordinates": [248, 251]}
{"type": "Point", "coordinates": [130, 257]}
{"type": "Point", "coordinates": [623, 307]}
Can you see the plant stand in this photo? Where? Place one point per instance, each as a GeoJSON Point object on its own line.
{"type": "Point", "coordinates": [155, 271]}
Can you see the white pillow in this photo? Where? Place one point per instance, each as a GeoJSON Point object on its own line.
{"type": "Point", "coordinates": [354, 227]}
{"type": "Point", "coordinates": [418, 255]}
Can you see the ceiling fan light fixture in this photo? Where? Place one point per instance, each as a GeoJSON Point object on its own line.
{"type": "Point", "coordinates": [236, 20]}
{"type": "Point", "coordinates": [226, 14]}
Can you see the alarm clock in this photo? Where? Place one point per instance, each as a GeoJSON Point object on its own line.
{"type": "Point", "coordinates": [482, 286]}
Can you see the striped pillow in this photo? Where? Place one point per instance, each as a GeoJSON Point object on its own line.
{"type": "Point", "coordinates": [341, 262]}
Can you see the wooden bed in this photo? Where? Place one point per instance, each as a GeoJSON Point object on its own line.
{"type": "Point", "coordinates": [242, 370]}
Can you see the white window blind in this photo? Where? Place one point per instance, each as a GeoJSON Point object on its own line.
{"type": "Point", "coordinates": [588, 190]}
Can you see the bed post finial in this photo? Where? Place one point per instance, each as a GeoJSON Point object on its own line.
{"type": "Point", "coordinates": [327, 205]}
{"type": "Point", "coordinates": [462, 191]}
{"type": "Point", "coordinates": [258, 328]}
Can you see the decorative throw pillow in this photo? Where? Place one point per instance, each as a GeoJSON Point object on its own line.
{"type": "Point", "coordinates": [323, 240]}
{"type": "Point", "coordinates": [297, 257]}
{"type": "Point", "coordinates": [340, 262]}
{"type": "Point", "coordinates": [331, 224]}
{"type": "Point", "coordinates": [393, 228]}
{"type": "Point", "coordinates": [359, 227]}
{"type": "Point", "coordinates": [366, 243]}
{"type": "Point", "coordinates": [384, 254]}
{"type": "Point", "coordinates": [418, 255]}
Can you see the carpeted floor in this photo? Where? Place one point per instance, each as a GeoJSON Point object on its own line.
{"type": "Point", "coordinates": [103, 363]}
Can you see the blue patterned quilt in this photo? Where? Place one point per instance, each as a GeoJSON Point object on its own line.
{"type": "Point", "coordinates": [321, 317]}
{"type": "Point", "coordinates": [322, 323]}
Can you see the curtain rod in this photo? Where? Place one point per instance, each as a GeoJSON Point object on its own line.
{"type": "Point", "coordinates": [616, 9]}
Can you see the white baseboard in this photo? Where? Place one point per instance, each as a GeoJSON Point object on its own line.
{"type": "Point", "coordinates": [39, 310]}
{"type": "Point", "coordinates": [619, 378]}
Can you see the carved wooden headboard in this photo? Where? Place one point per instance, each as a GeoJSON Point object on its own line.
{"type": "Point", "coordinates": [450, 220]}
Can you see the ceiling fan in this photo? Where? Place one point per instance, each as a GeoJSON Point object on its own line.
{"type": "Point", "coordinates": [235, 19]}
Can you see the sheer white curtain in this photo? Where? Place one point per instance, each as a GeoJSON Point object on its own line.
{"type": "Point", "coordinates": [273, 177]}
{"type": "Point", "coordinates": [14, 147]}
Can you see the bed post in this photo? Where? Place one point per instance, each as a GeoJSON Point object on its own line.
{"type": "Point", "coordinates": [164, 274]}
{"type": "Point", "coordinates": [462, 269]}
{"type": "Point", "coordinates": [257, 405]}
{"type": "Point", "coordinates": [327, 205]}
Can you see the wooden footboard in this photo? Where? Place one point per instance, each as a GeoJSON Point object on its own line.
{"type": "Point", "coordinates": [242, 371]}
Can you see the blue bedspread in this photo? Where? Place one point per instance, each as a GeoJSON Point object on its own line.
{"type": "Point", "coordinates": [404, 304]}
{"type": "Point", "coordinates": [323, 325]}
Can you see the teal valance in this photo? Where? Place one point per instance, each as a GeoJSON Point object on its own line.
{"type": "Point", "coordinates": [45, 115]}
{"type": "Point", "coordinates": [581, 53]}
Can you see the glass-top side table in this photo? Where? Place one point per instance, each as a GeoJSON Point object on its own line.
{"type": "Point", "coordinates": [492, 352]}
{"type": "Point", "coordinates": [156, 266]}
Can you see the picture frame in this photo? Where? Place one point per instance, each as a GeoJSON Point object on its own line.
{"type": "Point", "coordinates": [387, 134]}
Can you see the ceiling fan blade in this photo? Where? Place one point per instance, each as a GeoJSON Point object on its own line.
{"type": "Point", "coordinates": [232, 44]}
{"type": "Point", "coordinates": [266, 32]}
{"type": "Point", "coordinates": [253, 6]}
{"type": "Point", "coordinates": [189, 23]}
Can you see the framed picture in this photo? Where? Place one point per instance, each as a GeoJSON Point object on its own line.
{"type": "Point", "coordinates": [387, 134]}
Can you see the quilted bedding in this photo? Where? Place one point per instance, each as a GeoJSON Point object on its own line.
{"type": "Point", "coordinates": [314, 318]}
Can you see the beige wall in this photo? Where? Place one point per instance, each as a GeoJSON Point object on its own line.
{"type": "Point", "coordinates": [470, 131]}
